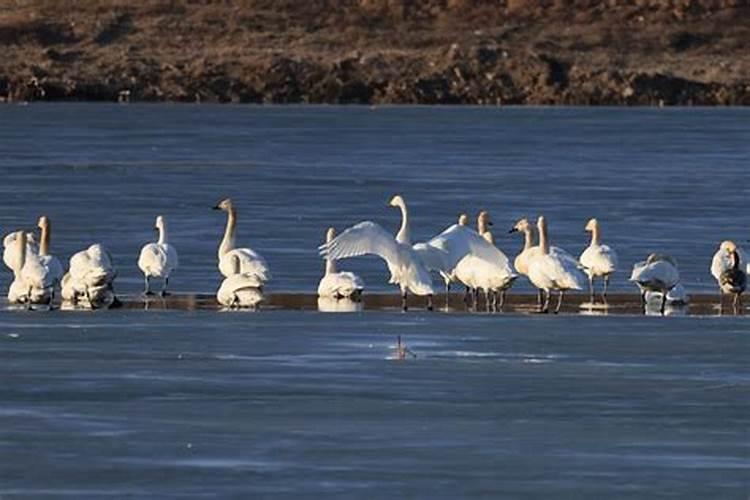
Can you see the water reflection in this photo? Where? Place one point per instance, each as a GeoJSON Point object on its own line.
{"type": "Point", "coordinates": [331, 305]}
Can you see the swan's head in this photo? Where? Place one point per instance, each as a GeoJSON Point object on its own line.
{"type": "Point", "coordinates": [521, 226]}
{"type": "Point", "coordinates": [159, 224]}
{"type": "Point", "coordinates": [225, 205]}
{"type": "Point", "coordinates": [463, 220]}
{"type": "Point", "coordinates": [591, 225]}
{"type": "Point", "coordinates": [43, 222]}
{"type": "Point", "coordinates": [728, 246]}
{"type": "Point", "coordinates": [483, 219]}
{"type": "Point", "coordinates": [397, 201]}
{"type": "Point", "coordinates": [330, 234]}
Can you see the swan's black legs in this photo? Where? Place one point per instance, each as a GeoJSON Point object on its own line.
{"type": "Point", "coordinates": [591, 288]}
{"type": "Point", "coordinates": [147, 291]}
{"type": "Point", "coordinates": [164, 287]}
{"type": "Point", "coordinates": [547, 295]}
{"type": "Point", "coordinates": [429, 302]}
{"type": "Point", "coordinates": [403, 301]}
{"type": "Point", "coordinates": [663, 302]}
{"type": "Point", "coordinates": [559, 301]}
{"type": "Point", "coordinates": [606, 287]}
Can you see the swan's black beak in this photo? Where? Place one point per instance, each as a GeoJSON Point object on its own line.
{"type": "Point", "coordinates": [217, 207]}
{"type": "Point", "coordinates": [512, 230]}
{"type": "Point", "coordinates": [489, 223]}
{"type": "Point", "coordinates": [156, 229]}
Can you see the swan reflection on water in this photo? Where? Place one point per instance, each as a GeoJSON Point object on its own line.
{"type": "Point", "coordinates": [332, 305]}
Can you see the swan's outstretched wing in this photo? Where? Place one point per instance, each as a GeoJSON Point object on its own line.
{"type": "Point", "coordinates": [365, 238]}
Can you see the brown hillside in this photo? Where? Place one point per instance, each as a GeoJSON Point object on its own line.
{"type": "Point", "coordinates": [378, 51]}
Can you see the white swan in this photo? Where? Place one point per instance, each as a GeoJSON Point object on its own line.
{"type": "Point", "coordinates": [90, 278]}
{"type": "Point", "coordinates": [158, 260]}
{"type": "Point", "coordinates": [728, 268]}
{"type": "Point", "coordinates": [342, 284]}
{"type": "Point", "coordinates": [18, 292]}
{"type": "Point", "coordinates": [658, 273]}
{"type": "Point", "coordinates": [598, 260]}
{"type": "Point", "coordinates": [368, 238]}
{"type": "Point", "coordinates": [530, 250]}
{"type": "Point", "coordinates": [521, 262]}
{"type": "Point", "coordinates": [250, 261]}
{"type": "Point", "coordinates": [553, 270]}
{"type": "Point", "coordinates": [722, 261]}
{"type": "Point", "coordinates": [239, 289]}
{"type": "Point", "coordinates": [42, 272]}
{"type": "Point", "coordinates": [492, 275]}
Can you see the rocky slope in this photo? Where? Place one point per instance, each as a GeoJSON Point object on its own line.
{"type": "Point", "coordinates": [634, 52]}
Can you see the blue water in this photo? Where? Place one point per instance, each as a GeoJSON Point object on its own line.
{"type": "Point", "coordinates": [282, 403]}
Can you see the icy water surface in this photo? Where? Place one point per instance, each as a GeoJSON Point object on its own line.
{"type": "Point", "coordinates": [130, 403]}
{"type": "Point", "coordinates": [216, 404]}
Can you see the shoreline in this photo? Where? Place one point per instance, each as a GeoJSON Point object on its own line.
{"type": "Point", "coordinates": [618, 305]}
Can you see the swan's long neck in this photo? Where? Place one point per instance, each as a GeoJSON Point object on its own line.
{"type": "Point", "coordinates": [227, 244]}
{"type": "Point", "coordinates": [44, 243]}
{"type": "Point", "coordinates": [596, 235]}
{"type": "Point", "coordinates": [404, 235]}
{"type": "Point", "coordinates": [543, 243]}
{"type": "Point", "coordinates": [21, 242]}
{"type": "Point", "coordinates": [330, 263]}
{"type": "Point", "coordinates": [481, 226]}
{"type": "Point", "coordinates": [163, 233]}
{"type": "Point", "coordinates": [528, 235]}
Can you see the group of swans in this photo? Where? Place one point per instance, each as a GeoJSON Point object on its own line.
{"type": "Point", "coordinates": [410, 264]}
{"type": "Point", "coordinates": [459, 254]}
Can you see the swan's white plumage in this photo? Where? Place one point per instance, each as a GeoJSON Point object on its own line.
{"type": "Point", "coordinates": [158, 259]}
{"type": "Point", "coordinates": [556, 270]}
{"type": "Point", "coordinates": [92, 274]}
{"type": "Point", "coordinates": [251, 262]}
{"type": "Point", "coordinates": [240, 290]}
{"type": "Point", "coordinates": [553, 269]}
{"type": "Point", "coordinates": [490, 271]}
{"type": "Point", "coordinates": [599, 260]}
{"type": "Point", "coordinates": [341, 284]}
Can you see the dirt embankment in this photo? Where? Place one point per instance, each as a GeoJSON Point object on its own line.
{"type": "Point", "coordinates": [634, 52]}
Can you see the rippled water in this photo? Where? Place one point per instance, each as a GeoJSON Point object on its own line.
{"type": "Point", "coordinates": [179, 403]}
